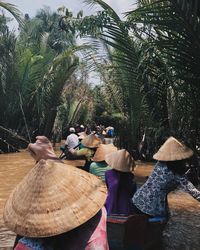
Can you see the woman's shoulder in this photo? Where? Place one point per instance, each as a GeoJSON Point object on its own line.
{"type": "Point", "coordinates": [160, 169]}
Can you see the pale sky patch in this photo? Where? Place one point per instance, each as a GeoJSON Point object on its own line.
{"type": "Point", "coordinates": [32, 6]}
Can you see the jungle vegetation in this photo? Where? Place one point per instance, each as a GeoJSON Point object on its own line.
{"type": "Point", "coordinates": [148, 63]}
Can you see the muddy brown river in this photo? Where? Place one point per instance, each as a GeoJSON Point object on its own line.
{"type": "Point", "coordinates": [181, 233]}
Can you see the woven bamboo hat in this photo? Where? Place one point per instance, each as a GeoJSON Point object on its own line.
{"type": "Point", "coordinates": [91, 141]}
{"type": "Point", "coordinates": [120, 160]}
{"type": "Point", "coordinates": [53, 198]}
{"type": "Point", "coordinates": [102, 150]}
{"type": "Point", "coordinates": [173, 150]}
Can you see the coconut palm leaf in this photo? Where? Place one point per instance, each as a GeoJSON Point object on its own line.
{"type": "Point", "coordinates": [173, 29]}
{"type": "Point", "coordinates": [176, 29]}
{"type": "Point", "coordinates": [126, 63]}
{"type": "Point", "coordinates": [14, 11]}
{"type": "Point", "coordinates": [59, 72]}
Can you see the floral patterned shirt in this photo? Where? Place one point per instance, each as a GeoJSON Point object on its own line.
{"type": "Point", "coordinates": [151, 198]}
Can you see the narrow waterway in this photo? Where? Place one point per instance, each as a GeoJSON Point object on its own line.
{"type": "Point", "coordinates": [182, 231]}
{"type": "Point", "coordinates": [13, 167]}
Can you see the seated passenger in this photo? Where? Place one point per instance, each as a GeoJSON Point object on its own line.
{"type": "Point", "coordinates": [82, 128]}
{"type": "Point", "coordinates": [58, 207]}
{"type": "Point", "coordinates": [99, 133]}
{"type": "Point", "coordinates": [98, 167]}
{"type": "Point", "coordinates": [120, 184]}
{"type": "Point", "coordinates": [90, 143]}
{"type": "Point", "coordinates": [72, 141]}
{"type": "Point", "coordinates": [168, 174]}
{"type": "Point", "coordinates": [81, 136]}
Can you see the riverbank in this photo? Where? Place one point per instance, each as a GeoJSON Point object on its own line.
{"type": "Point", "coordinates": [182, 231]}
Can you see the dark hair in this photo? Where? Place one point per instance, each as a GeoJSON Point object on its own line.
{"type": "Point", "coordinates": [177, 167]}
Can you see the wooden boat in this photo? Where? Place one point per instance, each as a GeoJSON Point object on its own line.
{"type": "Point", "coordinates": [135, 232]}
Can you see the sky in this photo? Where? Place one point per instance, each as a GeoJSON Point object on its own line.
{"type": "Point", "coordinates": [31, 6]}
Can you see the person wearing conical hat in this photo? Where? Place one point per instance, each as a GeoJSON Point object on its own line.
{"type": "Point", "coordinates": [58, 207]}
{"type": "Point", "coordinates": [81, 136]}
{"type": "Point", "coordinates": [90, 144]}
{"type": "Point", "coordinates": [120, 183]}
{"type": "Point", "coordinates": [168, 174]}
{"type": "Point", "coordinates": [98, 167]}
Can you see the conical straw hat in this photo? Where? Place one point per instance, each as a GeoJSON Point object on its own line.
{"type": "Point", "coordinates": [102, 150]}
{"type": "Point", "coordinates": [53, 198]}
{"type": "Point", "coordinates": [82, 135]}
{"type": "Point", "coordinates": [120, 160]}
{"type": "Point", "coordinates": [91, 141]}
{"type": "Point", "coordinates": [173, 150]}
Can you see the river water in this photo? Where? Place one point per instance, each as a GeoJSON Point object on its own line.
{"type": "Point", "coordinates": [182, 231]}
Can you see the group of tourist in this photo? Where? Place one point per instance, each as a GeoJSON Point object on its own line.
{"type": "Point", "coordinates": [73, 140]}
{"type": "Point", "coordinates": [57, 206]}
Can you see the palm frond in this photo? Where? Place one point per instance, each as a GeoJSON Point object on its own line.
{"type": "Point", "coordinates": [105, 6]}
{"type": "Point", "coordinates": [176, 29]}
{"type": "Point", "coordinates": [125, 58]}
{"type": "Point", "coordinates": [14, 11]}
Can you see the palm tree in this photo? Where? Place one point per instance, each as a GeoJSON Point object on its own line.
{"type": "Point", "coordinates": [165, 66]}
{"type": "Point", "coordinates": [173, 28]}
{"type": "Point", "coordinates": [125, 62]}
{"type": "Point", "coordinates": [7, 67]}
{"type": "Point", "coordinates": [41, 71]}
{"type": "Point", "coordinates": [13, 10]}
{"type": "Point", "coordinates": [62, 68]}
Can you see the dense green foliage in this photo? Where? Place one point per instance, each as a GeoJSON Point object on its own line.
{"type": "Point", "coordinates": [148, 65]}
{"type": "Point", "coordinates": [154, 59]}
{"type": "Point", "coordinates": [37, 71]}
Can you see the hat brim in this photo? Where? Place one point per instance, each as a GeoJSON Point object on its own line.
{"type": "Point", "coordinates": [53, 198]}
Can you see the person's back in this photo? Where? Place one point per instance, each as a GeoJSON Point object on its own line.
{"type": "Point", "coordinates": [120, 184]}
{"type": "Point", "coordinates": [151, 197]}
{"type": "Point", "coordinates": [168, 174]}
{"type": "Point", "coordinates": [98, 167]}
{"type": "Point", "coordinates": [120, 192]}
{"type": "Point", "coordinates": [90, 235]}
{"type": "Point", "coordinates": [72, 140]}
{"type": "Point", "coordinates": [90, 143]}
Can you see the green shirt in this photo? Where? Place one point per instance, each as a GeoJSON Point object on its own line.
{"type": "Point", "coordinates": [99, 169]}
{"type": "Point", "coordinates": [87, 152]}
